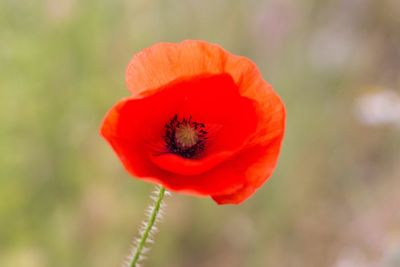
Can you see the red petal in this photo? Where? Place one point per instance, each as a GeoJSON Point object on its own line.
{"type": "Point", "coordinates": [163, 63]}
{"type": "Point", "coordinates": [259, 163]}
{"type": "Point", "coordinates": [260, 160]}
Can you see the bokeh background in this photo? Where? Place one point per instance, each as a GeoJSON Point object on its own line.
{"type": "Point", "coordinates": [333, 201]}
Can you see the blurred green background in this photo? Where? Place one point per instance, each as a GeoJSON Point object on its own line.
{"type": "Point", "coordinates": [334, 200]}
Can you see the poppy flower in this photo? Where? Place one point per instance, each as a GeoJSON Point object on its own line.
{"type": "Point", "coordinates": [199, 121]}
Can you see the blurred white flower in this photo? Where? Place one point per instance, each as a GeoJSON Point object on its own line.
{"type": "Point", "coordinates": [379, 108]}
{"type": "Point", "coordinates": [353, 257]}
{"type": "Point", "coordinates": [391, 255]}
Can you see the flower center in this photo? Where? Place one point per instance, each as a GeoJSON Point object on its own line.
{"type": "Point", "coordinates": [185, 137]}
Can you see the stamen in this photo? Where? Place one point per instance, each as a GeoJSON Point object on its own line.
{"type": "Point", "coordinates": [185, 137]}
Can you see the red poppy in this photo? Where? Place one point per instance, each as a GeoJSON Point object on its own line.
{"type": "Point", "coordinates": [200, 121]}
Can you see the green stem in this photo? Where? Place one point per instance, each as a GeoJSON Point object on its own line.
{"type": "Point", "coordinates": [148, 228]}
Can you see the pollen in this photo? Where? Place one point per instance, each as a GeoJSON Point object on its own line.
{"type": "Point", "coordinates": [185, 137]}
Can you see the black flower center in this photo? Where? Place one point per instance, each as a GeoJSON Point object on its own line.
{"type": "Point", "coordinates": [185, 137]}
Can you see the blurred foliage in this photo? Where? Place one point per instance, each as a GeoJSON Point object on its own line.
{"type": "Point", "coordinates": [66, 201]}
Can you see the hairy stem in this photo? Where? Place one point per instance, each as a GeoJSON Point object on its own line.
{"type": "Point", "coordinates": [146, 233]}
